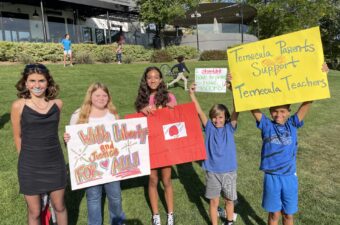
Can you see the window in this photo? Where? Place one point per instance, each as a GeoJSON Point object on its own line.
{"type": "Point", "coordinates": [100, 38]}
{"type": "Point", "coordinates": [15, 27]}
{"type": "Point", "coordinates": [57, 30]}
{"type": "Point", "coordinates": [87, 35]}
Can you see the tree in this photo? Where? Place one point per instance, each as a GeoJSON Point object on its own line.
{"type": "Point", "coordinates": [278, 17]}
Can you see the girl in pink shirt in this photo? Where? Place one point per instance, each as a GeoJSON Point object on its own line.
{"type": "Point", "coordinates": [152, 95]}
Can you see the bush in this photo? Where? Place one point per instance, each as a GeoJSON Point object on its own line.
{"type": "Point", "coordinates": [161, 56]}
{"type": "Point", "coordinates": [187, 51]}
{"type": "Point", "coordinates": [106, 56]}
{"type": "Point", "coordinates": [127, 59]}
{"type": "Point", "coordinates": [25, 58]}
{"type": "Point", "coordinates": [213, 55]}
{"type": "Point", "coordinates": [83, 57]}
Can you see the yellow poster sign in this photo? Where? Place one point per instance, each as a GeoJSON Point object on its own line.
{"type": "Point", "coordinates": [277, 71]}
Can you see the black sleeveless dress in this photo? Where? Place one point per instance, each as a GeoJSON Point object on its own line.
{"type": "Point", "coordinates": [41, 165]}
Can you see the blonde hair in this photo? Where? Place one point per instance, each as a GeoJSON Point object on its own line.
{"type": "Point", "coordinates": [85, 109]}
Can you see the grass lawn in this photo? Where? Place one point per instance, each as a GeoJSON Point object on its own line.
{"type": "Point", "coordinates": [318, 155]}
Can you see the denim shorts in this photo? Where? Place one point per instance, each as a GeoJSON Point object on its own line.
{"type": "Point", "coordinates": [221, 183]}
{"type": "Point", "coordinates": [280, 193]}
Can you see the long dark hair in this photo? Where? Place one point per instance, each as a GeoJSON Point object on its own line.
{"type": "Point", "coordinates": [52, 89]}
{"type": "Point", "coordinates": [162, 94]}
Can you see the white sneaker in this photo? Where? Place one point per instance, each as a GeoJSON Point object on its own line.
{"type": "Point", "coordinates": [156, 219]}
{"type": "Point", "coordinates": [171, 219]}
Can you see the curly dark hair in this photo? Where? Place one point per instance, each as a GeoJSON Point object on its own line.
{"type": "Point", "coordinates": [161, 97]}
{"type": "Point", "coordinates": [52, 88]}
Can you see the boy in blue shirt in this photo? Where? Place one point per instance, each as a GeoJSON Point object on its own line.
{"type": "Point", "coordinates": [221, 163]}
{"type": "Point", "coordinates": [278, 159]}
{"type": "Point", "coordinates": [66, 42]}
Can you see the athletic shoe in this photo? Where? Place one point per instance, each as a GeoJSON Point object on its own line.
{"type": "Point", "coordinates": [156, 219]}
{"type": "Point", "coordinates": [171, 219]}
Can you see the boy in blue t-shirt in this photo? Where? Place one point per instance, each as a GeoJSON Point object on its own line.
{"type": "Point", "coordinates": [278, 159]}
{"type": "Point", "coordinates": [66, 42]}
{"type": "Point", "coordinates": [221, 163]}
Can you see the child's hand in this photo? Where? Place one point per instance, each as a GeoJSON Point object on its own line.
{"type": "Point", "coordinates": [67, 137]}
{"type": "Point", "coordinates": [170, 105]}
{"type": "Point", "coordinates": [148, 110]}
{"type": "Point", "coordinates": [192, 88]}
{"type": "Point", "coordinates": [325, 68]}
{"type": "Point", "coordinates": [228, 81]}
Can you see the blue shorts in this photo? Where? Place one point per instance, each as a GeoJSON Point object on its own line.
{"type": "Point", "coordinates": [280, 193]}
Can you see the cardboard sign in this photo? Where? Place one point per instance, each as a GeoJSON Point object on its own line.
{"type": "Point", "coordinates": [107, 151]}
{"type": "Point", "coordinates": [175, 136]}
{"type": "Point", "coordinates": [211, 79]}
{"type": "Point", "coordinates": [277, 71]}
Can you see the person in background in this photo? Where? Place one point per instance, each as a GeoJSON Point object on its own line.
{"type": "Point", "coordinates": [66, 42]}
{"type": "Point", "coordinates": [181, 69]}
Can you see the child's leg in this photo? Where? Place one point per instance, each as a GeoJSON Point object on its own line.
{"type": "Point", "coordinates": [168, 191]}
{"type": "Point", "coordinates": [152, 189]}
{"type": "Point", "coordinates": [213, 210]}
{"type": "Point", "coordinates": [71, 58]}
{"type": "Point", "coordinates": [287, 219]}
{"type": "Point", "coordinates": [185, 82]}
{"type": "Point", "coordinates": [273, 218]}
{"type": "Point", "coordinates": [176, 80]}
{"type": "Point", "coordinates": [229, 206]}
{"type": "Point", "coordinates": [65, 55]}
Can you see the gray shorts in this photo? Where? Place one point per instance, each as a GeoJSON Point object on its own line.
{"type": "Point", "coordinates": [218, 183]}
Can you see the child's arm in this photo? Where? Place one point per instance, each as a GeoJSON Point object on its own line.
{"type": "Point", "coordinates": [234, 114]}
{"type": "Point", "coordinates": [201, 114]}
{"type": "Point", "coordinates": [257, 114]}
{"type": "Point", "coordinates": [303, 110]}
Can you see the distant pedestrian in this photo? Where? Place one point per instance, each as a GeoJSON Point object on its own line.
{"type": "Point", "coordinates": [119, 52]}
{"type": "Point", "coordinates": [181, 69]}
{"type": "Point", "coordinates": [66, 42]}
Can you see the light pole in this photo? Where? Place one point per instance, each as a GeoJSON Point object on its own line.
{"type": "Point", "coordinates": [196, 15]}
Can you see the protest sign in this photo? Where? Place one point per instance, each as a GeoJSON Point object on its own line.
{"type": "Point", "coordinates": [277, 71]}
{"type": "Point", "coordinates": [211, 79]}
{"type": "Point", "coordinates": [175, 136]}
{"type": "Point", "coordinates": [108, 151]}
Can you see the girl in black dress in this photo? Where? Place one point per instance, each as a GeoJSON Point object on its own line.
{"type": "Point", "coordinates": [35, 118]}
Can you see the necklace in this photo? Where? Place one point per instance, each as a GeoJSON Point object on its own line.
{"type": "Point", "coordinates": [41, 108]}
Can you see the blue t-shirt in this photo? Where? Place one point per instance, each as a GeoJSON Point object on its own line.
{"type": "Point", "coordinates": [279, 147]}
{"type": "Point", "coordinates": [221, 149]}
{"type": "Point", "coordinates": [67, 44]}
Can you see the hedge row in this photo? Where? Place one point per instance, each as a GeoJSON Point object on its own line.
{"type": "Point", "coordinates": [26, 52]}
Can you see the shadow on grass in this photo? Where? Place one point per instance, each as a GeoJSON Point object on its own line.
{"type": "Point", "coordinates": [4, 119]}
{"type": "Point", "coordinates": [245, 211]}
{"type": "Point", "coordinates": [144, 181]}
{"type": "Point", "coordinates": [194, 187]}
{"type": "Point", "coordinates": [73, 200]}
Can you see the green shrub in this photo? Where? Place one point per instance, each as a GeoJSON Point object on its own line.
{"type": "Point", "coordinates": [10, 51]}
{"type": "Point", "coordinates": [127, 59]}
{"type": "Point", "coordinates": [187, 51]}
{"type": "Point", "coordinates": [83, 57]}
{"type": "Point", "coordinates": [213, 55]}
{"type": "Point", "coordinates": [106, 56]}
{"type": "Point", "coordinates": [161, 56]}
{"type": "Point", "coordinates": [25, 58]}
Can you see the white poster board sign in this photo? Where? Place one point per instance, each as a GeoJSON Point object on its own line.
{"type": "Point", "coordinates": [211, 80]}
{"type": "Point", "coordinates": [108, 151]}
